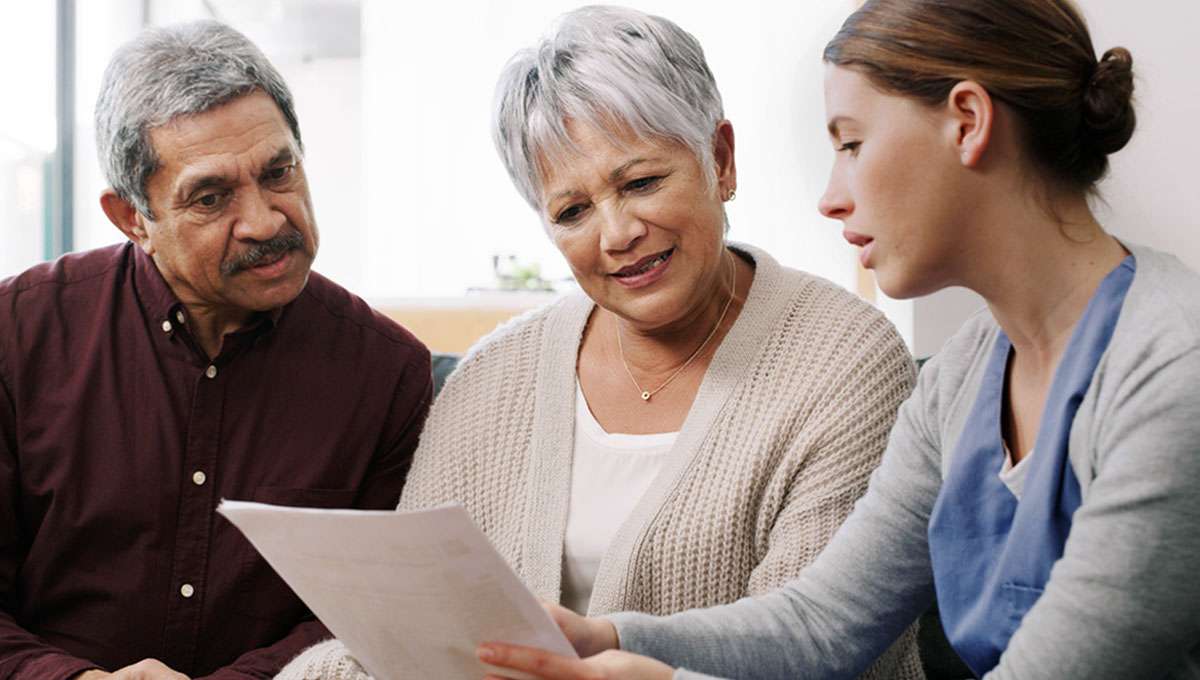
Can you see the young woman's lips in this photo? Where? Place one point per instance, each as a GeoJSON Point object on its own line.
{"type": "Point", "coordinates": [862, 241]}
{"type": "Point", "coordinates": [645, 271]}
{"type": "Point", "coordinates": [864, 255]}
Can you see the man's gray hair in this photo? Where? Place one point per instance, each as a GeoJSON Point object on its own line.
{"type": "Point", "coordinates": [614, 69]}
{"type": "Point", "coordinates": [169, 72]}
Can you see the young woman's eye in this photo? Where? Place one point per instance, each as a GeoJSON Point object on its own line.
{"type": "Point", "coordinates": [643, 183]}
{"type": "Point", "coordinates": [851, 147]}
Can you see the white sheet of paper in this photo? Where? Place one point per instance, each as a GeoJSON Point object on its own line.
{"type": "Point", "coordinates": [411, 594]}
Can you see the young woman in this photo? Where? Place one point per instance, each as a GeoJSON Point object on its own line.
{"type": "Point", "coordinates": [1040, 482]}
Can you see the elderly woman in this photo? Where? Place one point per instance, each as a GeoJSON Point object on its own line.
{"type": "Point", "coordinates": [1040, 484]}
{"type": "Point", "coordinates": [695, 426]}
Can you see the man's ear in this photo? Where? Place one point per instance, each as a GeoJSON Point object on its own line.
{"type": "Point", "coordinates": [972, 114]}
{"type": "Point", "coordinates": [126, 217]}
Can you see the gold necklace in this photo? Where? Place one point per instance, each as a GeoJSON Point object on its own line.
{"type": "Point", "coordinates": [646, 394]}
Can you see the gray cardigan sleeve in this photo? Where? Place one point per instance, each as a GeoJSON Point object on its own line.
{"type": "Point", "coordinates": [1121, 603]}
{"type": "Point", "coordinates": [871, 581]}
{"type": "Point", "coordinates": [1124, 600]}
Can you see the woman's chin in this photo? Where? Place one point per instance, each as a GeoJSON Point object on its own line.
{"type": "Point", "coordinates": [647, 309]}
{"type": "Point", "coordinates": [902, 285]}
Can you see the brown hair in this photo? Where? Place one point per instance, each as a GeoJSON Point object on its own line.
{"type": "Point", "coordinates": [1034, 55]}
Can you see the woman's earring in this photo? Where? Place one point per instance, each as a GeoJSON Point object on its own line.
{"type": "Point", "coordinates": [731, 195]}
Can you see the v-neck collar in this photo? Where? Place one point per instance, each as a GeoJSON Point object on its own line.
{"type": "Point", "coordinates": [551, 448]}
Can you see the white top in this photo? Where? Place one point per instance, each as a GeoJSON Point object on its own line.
{"type": "Point", "coordinates": [1013, 476]}
{"type": "Point", "coordinates": [609, 475]}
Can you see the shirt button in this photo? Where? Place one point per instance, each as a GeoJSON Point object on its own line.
{"type": "Point", "coordinates": [166, 326]}
{"type": "Point", "coordinates": [198, 478]}
{"type": "Point", "coordinates": [187, 590]}
{"type": "Point", "coordinates": [211, 372]}
{"type": "Point", "coordinates": [180, 317]}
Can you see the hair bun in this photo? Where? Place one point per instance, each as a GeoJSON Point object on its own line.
{"type": "Point", "coordinates": [1108, 116]}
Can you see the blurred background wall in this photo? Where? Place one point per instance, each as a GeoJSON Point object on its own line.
{"type": "Point", "coordinates": [415, 209]}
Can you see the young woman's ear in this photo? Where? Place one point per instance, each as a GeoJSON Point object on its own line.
{"type": "Point", "coordinates": [972, 114]}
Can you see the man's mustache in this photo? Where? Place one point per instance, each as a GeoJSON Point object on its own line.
{"type": "Point", "coordinates": [282, 243]}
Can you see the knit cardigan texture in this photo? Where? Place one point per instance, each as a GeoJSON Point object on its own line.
{"type": "Point", "coordinates": [791, 418]}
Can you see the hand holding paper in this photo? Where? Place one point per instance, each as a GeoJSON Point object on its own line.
{"type": "Point", "coordinates": [411, 594]}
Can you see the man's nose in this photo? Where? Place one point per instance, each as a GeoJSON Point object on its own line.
{"type": "Point", "coordinates": [258, 219]}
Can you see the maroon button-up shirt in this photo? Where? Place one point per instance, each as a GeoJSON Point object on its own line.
{"type": "Point", "coordinates": [118, 437]}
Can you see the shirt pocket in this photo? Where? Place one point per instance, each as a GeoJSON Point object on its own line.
{"type": "Point", "coordinates": [1019, 600]}
{"type": "Point", "coordinates": [264, 595]}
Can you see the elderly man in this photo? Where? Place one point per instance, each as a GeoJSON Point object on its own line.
{"type": "Point", "coordinates": [142, 383]}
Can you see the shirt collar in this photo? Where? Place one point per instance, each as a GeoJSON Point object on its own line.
{"type": "Point", "coordinates": [160, 303]}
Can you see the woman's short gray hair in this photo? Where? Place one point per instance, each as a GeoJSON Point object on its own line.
{"type": "Point", "coordinates": [168, 72]}
{"type": "Point", "coordinates": [612, 68]}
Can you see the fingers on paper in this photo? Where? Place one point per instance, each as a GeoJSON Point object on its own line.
{"type": "Point", "coordinates": [537, 662]}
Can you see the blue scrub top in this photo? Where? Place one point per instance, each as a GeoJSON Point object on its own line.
{"type": "Point", "coordinates": [991, 553]}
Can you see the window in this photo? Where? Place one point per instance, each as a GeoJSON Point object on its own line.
{"type": "Point", "coordinates": [394, 102]}
{"type": "Point", "coordinates": [27, 134]}
{"type": "Point", "coordinates": [425, 208]}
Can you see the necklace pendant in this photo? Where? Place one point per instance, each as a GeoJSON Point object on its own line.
{"type": "Point", "coordinates": [645, 396]}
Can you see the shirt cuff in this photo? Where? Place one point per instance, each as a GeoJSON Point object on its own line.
{"type": "Point", "coordinates": [633, 628]}
{"type": "Point", "coordinates": [636, 633]}
{"type": "Point", "coordinates": [53, 666]}
{"type": "Point", "coordinates": [685, 674]}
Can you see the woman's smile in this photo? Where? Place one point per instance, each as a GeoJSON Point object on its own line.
{"type": "Point", "coordinates": [645, 271]}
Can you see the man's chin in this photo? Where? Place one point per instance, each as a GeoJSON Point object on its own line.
{"type": "Point", "coordinates": [263, 296]}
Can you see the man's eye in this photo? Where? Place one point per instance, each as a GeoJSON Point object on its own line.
{"type": "Point", "coordinates": [280, 173]}
{"type": "Point", "coordinates": [210, 200]}
{"type": "Point", "coordinates": [643, 183]}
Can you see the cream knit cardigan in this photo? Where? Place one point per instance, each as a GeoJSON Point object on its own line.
{"type": "Point", "coordinates": [790, 420]}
